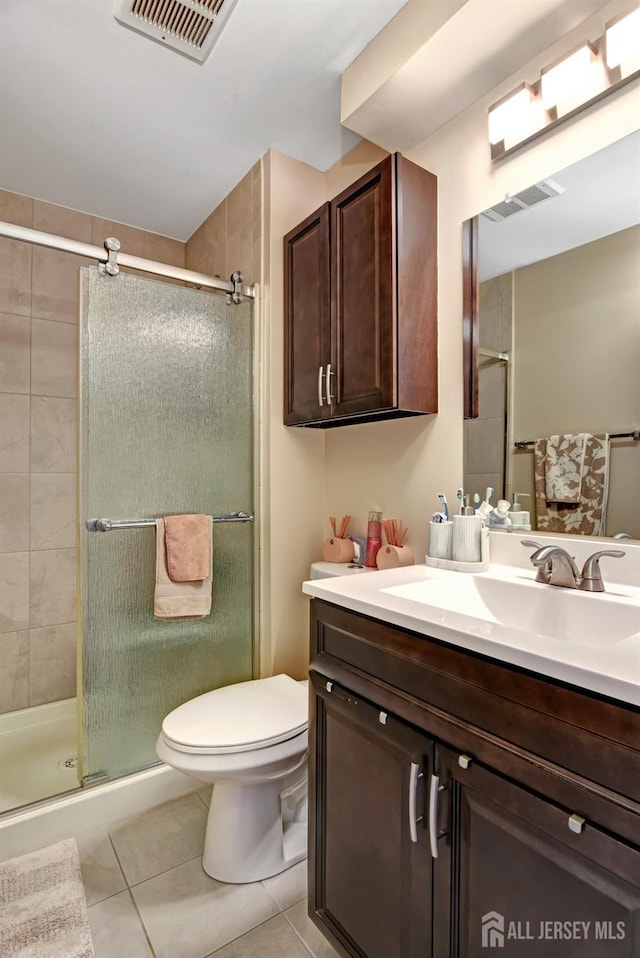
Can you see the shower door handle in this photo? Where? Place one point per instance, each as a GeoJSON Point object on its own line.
{"type": "Point", "coordinates": [320, 376]}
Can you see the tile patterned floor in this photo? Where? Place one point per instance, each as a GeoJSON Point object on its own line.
{"type": "Point", "coordinates": [148, 896]}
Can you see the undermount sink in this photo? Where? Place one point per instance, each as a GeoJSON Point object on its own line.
{"type": "Point", "coordinates": [591, 620]}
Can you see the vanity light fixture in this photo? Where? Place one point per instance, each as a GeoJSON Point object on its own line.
{"type": "Point", "coordinates": [564, 88]}
{"type": "Point", "coordinates": [622, 42]}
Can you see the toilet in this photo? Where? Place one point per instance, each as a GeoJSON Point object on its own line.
{"type": "Point", "coordinates": [250, 741]}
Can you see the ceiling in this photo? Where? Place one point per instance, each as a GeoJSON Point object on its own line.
{"type": "Point", "coordinates": [102, 119]}
{"type": "Point", "coordinates": [601, 196]}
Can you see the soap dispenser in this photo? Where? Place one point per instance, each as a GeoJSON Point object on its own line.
{"type": "Point", "coordinates": [519, 519]}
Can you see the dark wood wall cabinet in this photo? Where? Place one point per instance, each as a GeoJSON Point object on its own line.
{"type": "Point", "coordinates": [361, 302]}
{"type": "Point", "coordinates": [459, 805]}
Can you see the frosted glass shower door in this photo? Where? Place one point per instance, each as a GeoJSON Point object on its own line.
{"type": "Point", "coordinates": [166, 420]}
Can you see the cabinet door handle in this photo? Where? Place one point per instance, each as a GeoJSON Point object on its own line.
{"type": "Point", "coordinates": [433, 815]}
{"type": "Point", "coordinates": [320, 375]}
{"type": "Point", "coordinates": [415, 775]}
{"type": "Point", "coordinates": [330, 398]}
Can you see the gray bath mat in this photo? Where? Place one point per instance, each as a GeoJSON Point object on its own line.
{"type": "Point", "coordinates": [43, 910]}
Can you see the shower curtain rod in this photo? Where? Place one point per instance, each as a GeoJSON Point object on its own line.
{"type": "Point", "coordinates": [104, 255]}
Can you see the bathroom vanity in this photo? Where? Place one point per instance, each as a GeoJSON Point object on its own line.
{"type": "Point", "coordinates": [463, 794]}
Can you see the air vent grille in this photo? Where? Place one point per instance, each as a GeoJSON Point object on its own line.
{"type": "Point", "coordinates": [189, 26]}
{"type": "Point", "coordinates": [531, 196]}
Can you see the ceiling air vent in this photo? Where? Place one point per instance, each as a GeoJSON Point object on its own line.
{"type": "Point", "coordinates": [524, 200]}
{"type": "Point", "coordinates": [189, 26]}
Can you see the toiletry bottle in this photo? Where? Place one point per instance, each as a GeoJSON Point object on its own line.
{"type": "Point", "coordinates": [520, 519]}
{"type": "Point", "coordinates": [374, 539]}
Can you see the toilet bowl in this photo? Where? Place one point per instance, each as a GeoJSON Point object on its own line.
{"type": "Point", "coordinates": [250, 741]}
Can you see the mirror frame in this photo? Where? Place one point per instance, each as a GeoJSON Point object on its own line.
{"type": "Point", "coordinates": [470, 316]}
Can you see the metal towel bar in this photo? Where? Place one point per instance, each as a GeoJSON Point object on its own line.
{"type": "Point", "coordinates": [109, 525]}
{"type": "Point", "coordinates": [635, 435]}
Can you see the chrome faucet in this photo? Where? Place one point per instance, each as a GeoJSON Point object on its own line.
{"type": "Point", "coordinates": [556, 567]}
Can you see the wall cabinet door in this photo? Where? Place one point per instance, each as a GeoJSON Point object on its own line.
{"type": "Point", "coordinates": [362, 286]}
{"type": "Point", "coordinates": [370, 867]}
{"type": "Point", "coordinates": [364, 345]}
{"type": "Point", "coordinates": [307, 330]}
{"type": "Point", "coordinates": [512, 874]}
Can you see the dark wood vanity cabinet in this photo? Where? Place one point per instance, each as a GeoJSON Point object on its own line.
{"type": "Point", "coordinates": [361, 302]}
{"type": "Point", "coordinates": [456, 803]}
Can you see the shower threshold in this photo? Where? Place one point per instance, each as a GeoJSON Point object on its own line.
{"type": "Point", "coordinates": [38, 753]}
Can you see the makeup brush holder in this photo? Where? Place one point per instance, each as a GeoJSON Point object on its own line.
{"type": "Point", "coordinates": [338, 550]}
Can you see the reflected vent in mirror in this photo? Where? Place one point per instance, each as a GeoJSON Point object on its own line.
{"type": "Point", "coordinates": [544, 190]}
{"type": "Point", "coordinates": [189, 26]}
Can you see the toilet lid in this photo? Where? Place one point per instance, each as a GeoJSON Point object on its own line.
{"type": "Point", "coordinates": [240, 717]}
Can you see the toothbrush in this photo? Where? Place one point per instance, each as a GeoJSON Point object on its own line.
{"type": "Point", "coordinates": [488, 494]}
{"type": "Point", "coordinates": [460, 498]}
{"type": "Point", "coordinates": [476, 500]}
{"type": "Point", "coordinates": [445, 507]}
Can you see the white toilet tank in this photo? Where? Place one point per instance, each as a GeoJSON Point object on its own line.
{"type": "Point", "coordinates": [325, 570]}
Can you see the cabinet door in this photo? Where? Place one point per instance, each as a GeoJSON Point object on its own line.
{"type": "Point", "coordinates": [307, 351]}
{"type": "Point", "coordinates": [511, 874]}
{"type": "Point", "coordinates": [370, 880]}
{"type": "Point", "coordinates": [362, 289]}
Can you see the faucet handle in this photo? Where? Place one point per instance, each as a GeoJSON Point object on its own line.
{"type": "Point", "coordinates": [544, 570]}
{"type": "Point", "coordinates": [530, 544]}
{"type": "Point", "coordinates": [591, 575]}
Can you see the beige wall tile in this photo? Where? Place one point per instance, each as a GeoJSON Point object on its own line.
{"type": "Point", "coordinates": [196, 248]}
{"type": "Point", "coordinates": [53, 434]}
{"type": "Point", "coordinates": [240, 204]}
{"type": "Point", "coordinates": [491, 392]}
{"type": "Point", "coordinates": [14, 433]}
{"type": "Point", "coordinates": [131, 239]}
{"type": "Point", "coordinates": [53, 511]}
{"type": "Point", "coordinates": [53, 359]}
{"type": "Point", "coordinates": [15, 354]}
{"type": "Point", "coordinates": [15, 277]}
{"type": "Point", "coordinates": [52, 593]}
{"type": "Point", "coordinates": [209, 243]}
{"type": "Point", "coordinates": [62, 221]}
{"type": "Point", "coordinates": [14, 513]}
{"type": "Point", "coordinates": [52, 663]}
{"type": "Point", "coordinates": [485, 443]}
{"type": "Point", "coordinates": [14, 591]}
{"type": "Point", "coordinates": [14, 674]}
{"type": "Point", "coordinates": [163, 249]}
{"type": "Point", "coordinates": [240, 252]}
{"type": "Point", "coordinates": [15, 208]}
{"type": "Point", "coordinates": [55, 285]}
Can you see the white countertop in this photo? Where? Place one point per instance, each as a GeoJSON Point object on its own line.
{"type": "Point", "coordinates": [612, 669]}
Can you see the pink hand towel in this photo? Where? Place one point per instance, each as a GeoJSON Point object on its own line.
{"type": "Point", "coordinates": [187, 541]}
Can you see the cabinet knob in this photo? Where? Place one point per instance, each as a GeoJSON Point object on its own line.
{"type": "Point", "coordinates": [382, 718]}
{"type": "Point", "coordinates": [464, 761]}
{"type": "Point", "coordinates": [576, 823]}
{"type": "Point", "coordinates": [329, 686]}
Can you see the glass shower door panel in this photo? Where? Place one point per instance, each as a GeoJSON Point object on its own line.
{"type": "Point", "coordinates": [165, 427]}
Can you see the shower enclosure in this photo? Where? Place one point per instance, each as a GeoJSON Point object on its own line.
{"type": "Point", "coordinates": [166, 424]}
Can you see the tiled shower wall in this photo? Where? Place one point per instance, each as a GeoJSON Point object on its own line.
{"type": "Point", "coordinates": [38, 361]}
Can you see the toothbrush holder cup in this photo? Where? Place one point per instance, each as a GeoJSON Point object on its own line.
{"type": "Point", "coordinates": [466, 545]}
{"type": "Point", "coordinates": [440, 540]}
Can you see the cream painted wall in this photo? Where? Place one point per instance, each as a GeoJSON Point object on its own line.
{"type": "Point", "coordinates": [401, 466]}
{"type": "Point", "coordinates": [576, 318]}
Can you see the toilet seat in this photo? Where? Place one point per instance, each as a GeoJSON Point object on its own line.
{"type": "Point", "coordinates": [239, 718]}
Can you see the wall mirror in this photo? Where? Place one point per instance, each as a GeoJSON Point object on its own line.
{"type": "Point", "coordinates": [552, 336]}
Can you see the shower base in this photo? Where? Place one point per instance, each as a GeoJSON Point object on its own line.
{"type": "Point", "coordinates": [37, 753]}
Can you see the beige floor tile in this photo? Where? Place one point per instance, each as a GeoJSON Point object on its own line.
{"type": "Point", "coordinates": [101, 872]}
{"type": "Point", "coordinates": [116, 929]}
{"type": "Point", "coordinates": [273, 939]}
{"type": "Point", "coordinates": [205, 795]}
{"type": "Point", "coordinates": [154, 841]}
{"type": "Point", "coordinates": [309, 934]}
{"type": "Point", "coordinates": [188, 914]}
{"type": "Point", "coordinates": [289, 886]}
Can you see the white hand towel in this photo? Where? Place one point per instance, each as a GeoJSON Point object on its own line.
{"type": "Point", "coordinates": [180, 600]}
